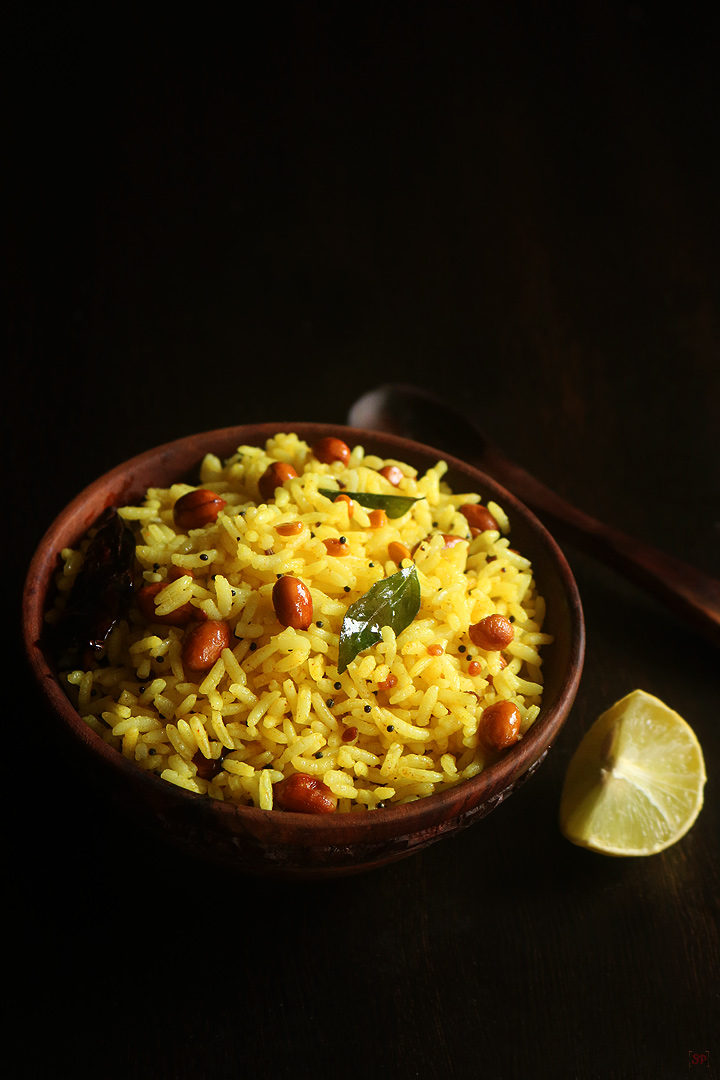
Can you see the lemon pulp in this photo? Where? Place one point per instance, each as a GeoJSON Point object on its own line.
{"type": "Point", "coordinates": [635, 783]}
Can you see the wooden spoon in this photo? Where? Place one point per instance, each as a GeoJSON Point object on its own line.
{"type": "Point", "coordinates": [413, 413]}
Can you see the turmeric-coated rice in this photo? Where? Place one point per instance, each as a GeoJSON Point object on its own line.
{"type": "Point", "coordinates": [402, 720]}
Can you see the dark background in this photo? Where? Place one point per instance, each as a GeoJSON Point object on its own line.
{"type": "Point", "coordinates": [214, 220]}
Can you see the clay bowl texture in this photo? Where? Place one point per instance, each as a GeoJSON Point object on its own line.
{"type": "Point", "coordinates": [289, 844]}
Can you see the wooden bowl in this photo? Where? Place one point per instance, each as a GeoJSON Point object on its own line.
{"type": "Point", "coordinates": [291, 844]}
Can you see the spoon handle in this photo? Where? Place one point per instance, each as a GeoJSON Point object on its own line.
{"type": "Point", "coordinates": [689, 592]}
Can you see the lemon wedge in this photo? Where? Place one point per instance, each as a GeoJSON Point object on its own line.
{"type": "Point", "coordinates": [634, 785]}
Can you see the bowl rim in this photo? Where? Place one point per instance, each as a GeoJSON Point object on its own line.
{"type": "Point", "coordinates": [426, 812]}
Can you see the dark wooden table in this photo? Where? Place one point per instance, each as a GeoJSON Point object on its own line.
{"type": "Point", "coordinates": [208, 225]}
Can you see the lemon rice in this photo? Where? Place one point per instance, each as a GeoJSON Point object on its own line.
{"type": "Point", "coordinates": [399, 718]}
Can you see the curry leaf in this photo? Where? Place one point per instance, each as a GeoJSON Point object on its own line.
{"type": "Point", "coordinates": [393, 505]}
{"type": "Point", "coordinates": [393, 602]}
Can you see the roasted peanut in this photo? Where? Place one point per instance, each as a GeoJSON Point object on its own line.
{"type": "Point", "coordinates": [377, 519]}
{"type": "Point", "coordinates": [342, 497]}
{"type": "Point", "coordinates": [393, 473]}
{"type": "Point", "coordinates": [208, 768]}
{"type": "Point", "coordinates": [492, 633]}
{"type": "Point", "coordinates": [350, 734]}
{"type": "Point", "coordinates": [289, 528]}
{"type": "Point", "coordinates": [196, 509]}
{"type": "Point", "coordinates": [500, 725]}
{"type": "Point", "coordinates": [397, 551]}
{"type": "Point", "coordinates": [275, 476]}
{"type": "Point", "coordinates": [478, 517]}
{"type": "Point", "coordinates": [304, 794]}
{"type": "Point", "coordinates": [336, 546]}
{"type": "Point", "coordinates": [175, 572]}
{"type": "Point", "coordinates": [146, 597]}
{"type": "Point", "coordinates": [292, 602]}
{"type": "Point", "coordinates": [331, 449]}
{"type": "Point", "coordinates": [204, 644]}
{"type": "Point", "coordinates": [449, 540]}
